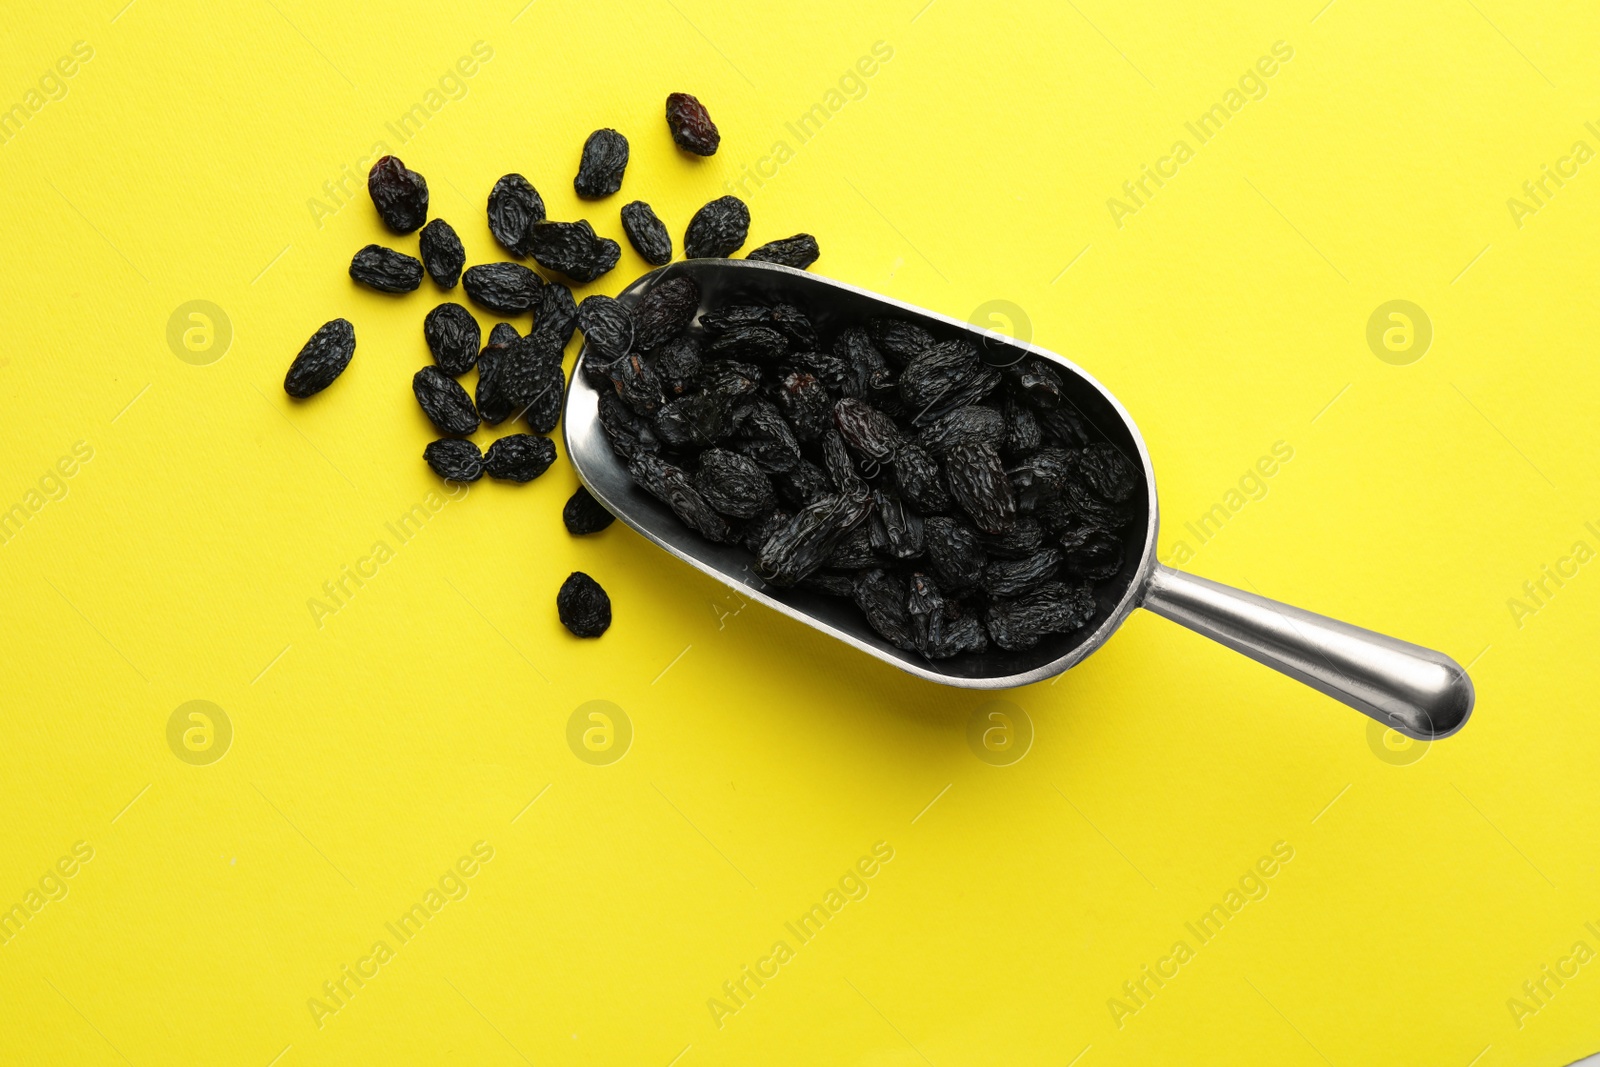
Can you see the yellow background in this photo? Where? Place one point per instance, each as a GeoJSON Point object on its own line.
{"type": "Point", "coordinates": [369, 754]}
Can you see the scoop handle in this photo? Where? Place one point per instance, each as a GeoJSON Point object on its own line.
{"type": "Point", "coordinates": [1419, 692]}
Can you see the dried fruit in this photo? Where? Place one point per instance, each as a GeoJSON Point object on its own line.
{"type": "Point", "coordinates": [799, 251]}
{"type": "Point", "coordinates": [866, 429]}
{"type": "Point", "coordinates": [583, 607]}
{"type": "Point", "coordinates": [453, 337]}
{"type": "Point", "coordinates": [605, 158]}
{"type": "Point", "coordinates": [573, 249]}
{"type": "Point", "coordinates": [795, 325]}
{"type": "Point", "coordinates": [733, 484]}
{"type": "Point", "coordinates": [555, 316]}
{"type": "Point", "coordinates": [955, 553]}
{"type": "Point", "coordinates": [719, 320]}
{"type": "Point", "coordinates": [1053, 608]}
{"type": "Point", "coordinates": [1014, 577]}
{"type": "Point", "coordinates": [514, 208]}
{"type": "Point", "coordinates": [805, 403]}
{"type": "Point", "coordinates": [665, 311]}
{"type": "Point", "coordinates": [674, 488]}
{"type": "Point", "coordinates": [509, 288]}
{"type": "Point", "coordinates": [636, 383]}
{"type": "Point", "coordinates": [444, 401]}
{"type": "Point", "coordinates": [442, 254]}
{"type": "Point", "coordinates": [678, 363]}
{"type": "Point", "coordinates": [386, 270]}
{"type": "Point", "coordinates": [916, 475]}
{"type": "Point", "coordinates": [549, 385]}
{"type": "Point", "coordinates": [455, 459]}
{"type": "Point", "coordinates": [519, 457]}
{"type": "Point", "coordinates": [762, 434]}
{"type": "Point", "coordinates": [322, 359]}
{"type": "Point", "coordinates": [975, 425]}
{"type": "Point", "coordinates": [691, 125]}
{"type": "Point", "coordinates": [1106, 471]}
{"type": "Point", "coordinates": [899, 340]}
{"type": "Point", "coordinates": [647, 233]}
{"type": "Point", "coordinates": [494, 406]}
{"type": "Point", "coordinates": [400, 195]}
{"type": "Point", "coordinates": [758, 344]}
{"type": "Point", "coordinates": [871, 373]}
{"type": "Point", "coordinates": [583, 514]}
{"type": "Point", "coordinates": [977, 482]}
{"type": "Point", "coordinates": [802, 546]}
{"type": "Point", "coordinates": [882, 599]}
{"type": "Point", "coordinates": [718, 229]}
{"type": "Point", "coordinates": [607, 327]}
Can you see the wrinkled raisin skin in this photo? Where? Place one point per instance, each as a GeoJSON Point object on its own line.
{"type": "Point", "coordinates": [323, 358]}
{"type": "Point", "coordinates": [509, 288]}
{"type": "Point", "coordinates": [583, 607]}
{"type": "Point", "coordinates": [799, 251]}
{"type": "Point", "coordinates": [442, 254]}
{"type": "Point", "coordinates": [691, 125]}
{"type": "Point", "coordinates": [573, 249]}
{"type": "Point", "coordinates": [453, 337]}
{"type": "Point", "coordinates": [520, 457]}
{"type": "Point", "coordinates": [386, 270]}
{"type": "Point", "coordinates": [646, 233]}
{"type": "Point", "coordinates": [400, 195]}
{"type": "Point", "coordinates": [717, 229]}
{"type": "Point", "coordinates": [605, 159]}
{"type": "Point", "coordinates": [515, 207]}
{"type": "Point", "coordinates": [442, 399]}
{"type": "Point", "coordinates": [454, 459]}
{"type": "Point", "coordinates": [584, 515]}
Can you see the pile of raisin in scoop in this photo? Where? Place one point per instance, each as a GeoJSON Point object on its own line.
{"type": "Point", "coordinates": [958, 504]}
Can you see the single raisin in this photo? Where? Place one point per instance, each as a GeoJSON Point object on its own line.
{"type": "Point", "coordinates": [455, 459]}
{"type": "Point", "coordinates": [733, 484]}
{"type": "Point", "coordinates": [803, 546]}
{"type": "Point", "coordinates": [977, 482]}
{"type": "Point", "coordinates": [583, 607]}
{"type": "Point", "coordinates": [758, 344]}
{"type": "Point", "coordinates": [543, 409]}
{"type": "Point", "coordinates": [870, 373]}
{"type": "Point", "coordinates": [1106, 471]}
{"type": "Point", "coordinates": [583, 514]}
{"type": "Point", "coordinates": [494, 407]}
{"type": "Point", "coordinates": [799, 251]}
{"type": "Point", "coordinates": [795, 325]}
{"type": "Point", "coordinates": [573, 249]}
{"type": "Point", "coordinates": [386, 270]}
{"type": "Point", "coordinates": [899, 340]}
{"type": "Point", "coordinates": [453, 337]}
{"type": "Point", "coordinates": [691, 125]}
{"type": "Point", "coordinates": [509, 288]}
{"type": "Point", "coordinates": [916, 475]}
{"type": "Point", "coordinates": [646, 233]}
{"type": "Point", "coordinates": [636, 383]}
{"type": "Point", "coordinates": [975, 425]}
{"type": "Point", "coordinates": [674, 488]}
{"type": "Point", "coordinates": [1014, 577]}
{"type": "Point", "coordinates": [955, 553]}
{"type": "Point", "coordinates": [882, 599]}
{"type": "Point", "coordinates": [322, 359]}
{"type": "Point", "coordinates": [555, 316]}
{"type": "Point", "coordinates": [764, 436]}
{"type": "Point", "coordinates": [400, 195]}
{"type": "Point", "coordinates": [678, 363]}
{"type": "Point", "coordinates": [867, 430]}
{"type": "Point", "coordinates": [720, 320]}
{"type": "Point", "coordinates": [446, 404]}
{"type": "Point", "coordinates": [519, 457]}
{"type": "Point", "coordinates": [442, 254]}
{"type": "Point", "coordinates": [515, 207]}
{"type": "Point", "coordinates": [607, 327]}
{"type": "Point", "coordinates": [804, 402]}
{"type": "Point", "coordinates": [718, 229]}
{"type": "Point", "coordinates": [896, 530]}
{"type": "Point", "coordinates": [664, 311]}
{"type": "Point", "coordinates": [605, 157]}
{"type": "Point", "coordinates": [1053, 608]}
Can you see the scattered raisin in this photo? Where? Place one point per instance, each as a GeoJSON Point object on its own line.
{"type": "Point", "coordinates": [520, 457]}
{"type": "Point", "coordinates": [647, 233]}
{"type": "Point", "coordinates": [514, 208]}
{"type": "Point", "coordinates": [446, 404]}
{"type": "Point", "coordinates": [691, 125]}
{"type": "Point", "coordinates": [386, 270]}
{"type": "Point", "coordinates": [453, 337]}
{"type": "Point", "coordinates": [605, 157]}
{"type": "Point", "coordinates": [573, 249]}
{"type": "Point", "coordinates": [718, 229]}
{"type": "Point", "coordinates": [555, 316]}
{"type": "Point", "coordinates": [455, 459]}
{"type": "Point", "coordinates": [583, 606]}
{"type": "Point", "coordinates": [799, 251]}
{"type": "Point", "coordinates": [583, 514]}
{"type": "Point", "coordinates": [400, 195]}
{"type": "Point", "coordinates": [442, 254]}
{"type": "Point", "coordinates": [509, 288]}
{"type": "Point", "coordinates": [322, 359]}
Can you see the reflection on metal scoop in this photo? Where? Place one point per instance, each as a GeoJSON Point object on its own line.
{"type": "Point", "coordinates": [1419, 692]}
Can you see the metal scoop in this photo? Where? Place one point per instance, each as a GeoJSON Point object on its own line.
{"type": "Point", "coordinates": [1416, 691]}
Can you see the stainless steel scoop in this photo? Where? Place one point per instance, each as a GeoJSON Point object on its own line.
{"type": "Point", "coordinates": [1420, 693]}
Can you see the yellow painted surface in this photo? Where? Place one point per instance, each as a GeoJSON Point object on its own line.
{"type": "Point", "coordinates": [205, 152]}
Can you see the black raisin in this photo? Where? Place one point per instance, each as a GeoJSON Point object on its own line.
{"type": "Point", "coordinates": [977, 482]}
{"type": "Point", "coordinates": [453, 337]}
{"type": "Point", "coordinates": [1023, 538]}
{"type": "Point", "coordinates": [386, 270]}
{"type": "Point", "coordinates": [917, 476]}
{"type": "Point", "coordinates": [867, 430]}
{"type": "Point", "coordinates": [494, 407]}
{"type": "Point", "coordinates": [764, 436]}
{"type": "Point", "coordinates": [674, 488]}
{"type": "Point", "coordinates": [975, 425]}
{"type": "Point", "coordinates": [519, 457]}
{"type": "Point", "coordinates": [718, 229]}
{"type": "Point", "coordinates": [955, 553]}
{"type": "Point", "coordinates": [760, 344]}
{"type": "Point", "coordinates": [455, 459]}
{"type": "Point", "coordinates": [803, 546]}
{"type": "Point", "coordinates": [678, 363]}
{"type": "Point", "coordinates": [322, 359]}
{"type": "Point", "coordinates": [1107, 472]}
{"type": "Point", "coordinates": [573, 249]}
{"type": "Point", "coordinates": [871, 374]}
{"type": "Point", "coordinates": [899, 340]}
{"type": "Point", "coordinates": [733, 484]}
{"type": "Point", "coordinates": [1053, 608]}
{"type": "Point", "coordinates": [583, 606]}
{"type": "Point", "coordinates": [1037, 381]}
{"type": "Point", "coordinates": [799, 251]}
{"type": "Point", "coordinates": [607, 327]}
{"type": "Point", "coordinates": [636, 383]}
{"type": "Point", "coordinates": [805, 403]}
{"type": "Point", "coordinates": [400, 195]}
{"type": "Point", "coordinates": [1041, 477]}
{"type": "Point", "coordinates": [938, 630]}
{"type": "Point", "coordinates": [555, 316]}
{"type": "Point", "coordinates": [514, 208]}
{"type": "Point", "coordinates": [442, 254]}
{"type": "Point", "coordinates": [719, 320]}
{"type": "Point", "coordinates": [646, 233]}
{"type": "Point", "coordinates": [896, 530]}
{"type": "Point", "coordinates": [855, 552]}
{"type": "Point", "coordinates": [1014, 577]}
{"type": "Point", "coordinates": [583, 514]}
{"type": "Point", "coordinates": [763, 526]}
{"type": "Point", "coordinates": [664, 311]}
{"type": "Point", "coordinates": [840, 467]}
{"type": "Point", "coordinates": [691, 125]}
{"type": "Point", "coordinates": [795, 325]}
{"type": "Point", "coordinates": [605, 158]}
{"type": "Point", "coordinates": [1023, 435]}
{"type": "Point", "coordinates": [444, 401]}
{"type": "Point", "coordinates": [882, 599]}
{"type": "Point", "coordinates": [802, 484]}
{"type": "Point", "coordinates": [543, 410]}
{"type": "Point", "coordinates": [629, 434]}
{"type": "Point", "coordinates": [509, 288]}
